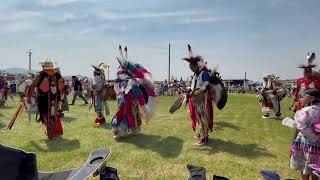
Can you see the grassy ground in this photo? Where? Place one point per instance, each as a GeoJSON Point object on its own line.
{"type": "Point", "coordinates": [241, 146]}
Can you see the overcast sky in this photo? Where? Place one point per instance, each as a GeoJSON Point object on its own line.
{"type": "Point", "coordinates": [240, 36]}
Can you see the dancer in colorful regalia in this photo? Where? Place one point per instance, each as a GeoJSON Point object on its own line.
{"type": "Point", "coordinates": [206, 88]}
{"type": "Point", "coordinates": [24, 82]}
{"type": "Point", "coordinates": [136, 97]}
{"type": "Point", "coordinates": [49, 84]}
{"type": "Point", "coordinates": [65, 104]}
{"type": "Point", "coordinates": [308, 81]}
{"type": "Point", "coordinates": [23, 85]}
{"type": "Point", "coordinates": [3, 87]}
{"type": "Point", "coordinates": [271, 95]}
{"type": "Point", "coordinates": [305, 149]}
{"type": "Point", "coordinates": [64, 94]}
{"type": "Point", "coordinates": [33, 106]}
{"type": "Point", "coordinates": [100, 94]}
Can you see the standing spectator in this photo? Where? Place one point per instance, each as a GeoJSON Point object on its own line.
{"type": "Point", "coordinates": [13, 87]}
{"type": "Point", "coordinates": [77, 87]}
{"type": "Point", "coordinates": [65, 105]}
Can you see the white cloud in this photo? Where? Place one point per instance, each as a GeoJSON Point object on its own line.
{"type": "Point", "coordinates": [103, 28]}
{"type": "Point", "coordinates": [20, 15]}
{"type": "Point", "coordinates": [147, 15]}
{"type": "Point", "coordinates": [49, 35]}
{"type": "Point", "coordinates": [19, 21]}
{"type": "Point", "coordinates": [182, 17]}
{"type": "Point", "coordinates": [54, 3]}
{"type": "Point", "coordinates": [65, 17]}
{"type": "Point", "coordinates": [18, 27]}
{"type": "Point", "coordinates": [208, 19]}
{"type": "Point", "coordinates": [89, 30]}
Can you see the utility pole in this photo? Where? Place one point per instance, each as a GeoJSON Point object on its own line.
{"type": "Point", "coordinates": [29, 52]}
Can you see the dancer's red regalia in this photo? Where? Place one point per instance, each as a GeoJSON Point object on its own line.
{"type": "Point", "coordinates": [308, 81]}
{"type": "Point", "coordinates": [206, 88]}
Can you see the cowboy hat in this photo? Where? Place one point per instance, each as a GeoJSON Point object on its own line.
{"type": "Point", "coordinates": [310, 61]}
{"type": "Point", "coordinates": [48, 64]}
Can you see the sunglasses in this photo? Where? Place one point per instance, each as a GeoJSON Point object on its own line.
{"type": "Point", "coordinates": [307, 70]}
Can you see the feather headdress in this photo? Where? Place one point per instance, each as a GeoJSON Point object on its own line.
{"type": "Point", "coordinates": [195, 59]}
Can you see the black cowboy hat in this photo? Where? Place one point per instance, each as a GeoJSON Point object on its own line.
{"type": "Point", "coordinates": [310, 61]}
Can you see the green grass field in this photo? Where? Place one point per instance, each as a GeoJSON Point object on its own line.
{"type": "Point", "coordinates": [242, 145]}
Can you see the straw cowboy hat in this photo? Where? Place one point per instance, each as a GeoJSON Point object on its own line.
{"type": "Point", "coordinates": [48, 64]}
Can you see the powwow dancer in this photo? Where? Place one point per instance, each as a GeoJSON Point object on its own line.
{"type": "Point", "coordinates": [22, 87]}
{"type": "Point", "coordinates": [271, 95]}
{"type": "Point", "coordinates": [87, 89]}
{"type": "Point", "coordinates": [136, 97]}
{"type": "Point", "coordinates": [305, 149]}
{"type": "Point", "coordinates": [100, 94]}
{"type": "Point", "coordinates": [33, 106]}
{"type": "Point", "coordinates": [6, 91]}
{"type": "Point", "coordinates": [308, 81]}
{"type": "Point", "coordinates": [77, 90]}
{"type": "Point", "coordinates": [2, 88]}
{"type": "Point", "coordinates": [49, 84]}
{"type": "Point", "coordinates": [206, 88]}
{"type": "Point", "coordinates": [65, 104]}
{"type": "Point", "coordinates": [24, 83]}
{"type": "Point", "coordinates": [64, 94]}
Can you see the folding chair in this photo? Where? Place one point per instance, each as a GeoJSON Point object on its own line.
{"type": "Point", "coordinates": [17, 165]}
